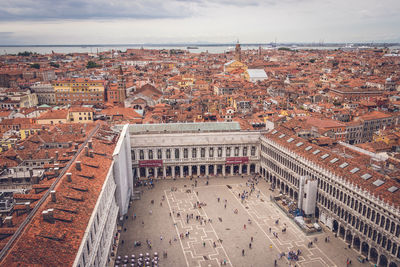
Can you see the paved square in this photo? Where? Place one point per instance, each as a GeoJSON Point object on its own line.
{"type": "Point", "coordinates": [219, 231]}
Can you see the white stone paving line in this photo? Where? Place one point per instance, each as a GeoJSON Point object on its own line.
{"type": "Point", "coordinates": [216, 235]}
{"type": "Point", "coordinates": [279, 241]}
{"type": "Point", "coordinates": [295, 227]}
{"type": "Point", "coordinates": [176, 228]}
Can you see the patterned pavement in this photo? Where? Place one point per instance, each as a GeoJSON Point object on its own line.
{"type": "Point", "coordinates": [221, 225]}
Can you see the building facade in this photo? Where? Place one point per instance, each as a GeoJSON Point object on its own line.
{"type": "Point", "coordinates": [79, 91]}
{"type": "Point", "coordinates": [45, 93]}
{"type": "Point", "coordinates": [348, 202]}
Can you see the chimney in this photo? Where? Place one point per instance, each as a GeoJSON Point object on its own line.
{"type": "Point", "coordinates": [51, 214]}
{"type": "Point", "coordinates": [9, 221]}
{"type": "Point", "coordinates": [57, 155]}
{"type": "Point", "coordinates": [53, 195]}
{"type": "Point", "coordinates": [90, 143]}
{"type": "Point", "coordinates": [45, 215]}
{"type": "Point", "coordinates": [78, 165]}
{"type": "Point", "coordinates": [76, 146]}
{"type": "Point", "coordinates": [69, 177]}
{"type": "Point", "coordinates": [86, 151]}
{"type": "Point", "coordinates": [46, 154]}
{"type": "Point", "coordinates": [91, 153]}
{"type": "Point", "coordinates": [27, 207]}
{"type": "Point", "coordinates": [56, 170]}
{"type": "Point", "coordinates": [70, 144]}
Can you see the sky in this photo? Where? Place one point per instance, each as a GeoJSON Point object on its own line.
{"type": "Point", "coordinates": [24, 22]}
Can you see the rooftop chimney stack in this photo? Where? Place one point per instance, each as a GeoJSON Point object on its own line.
{"type": "Point", "coordinates": [9, 221]}
{"type": "Point", "coordinates": [91, 153]}
{"type": "Point", "coordinates": [86, 151]}
{"type": "Point", "coordinates": [53, 195]}
{"type": "Point", "coordinates": [46, 154]}
{"type": "Point", "coordinates": [76, 146]}
{"type": "Point", "coordinates": [90, 143]}
{"type": "Point", "coordinates": [78, 165]}
{"type": "Point", "coordinates": [51, 214]}
{"type": "Point", "coordinates": [69, 177]}
{"type": "Point", "coordinates": [57, 155]}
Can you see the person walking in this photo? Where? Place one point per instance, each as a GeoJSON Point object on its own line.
{"type": "Point", "coordinates": [242, 252]}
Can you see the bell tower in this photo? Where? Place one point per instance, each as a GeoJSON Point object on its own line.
{"type": "Point", "coordinates": [238, 52]}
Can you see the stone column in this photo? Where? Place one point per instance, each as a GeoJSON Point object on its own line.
{"type": "Point", "coordinates": [181, 171]}
{"type": "Point", "coordinates": [190, 170]}
{"type": "Point", "coordinates": [223, 170]}
{"type": "Point", "coordinates": [156, 172]}
{"type": "Point", "coordinates": [207, 171]}
{"type": "Point", "coordinates": [173, 171]}
{"type": "Point", "coordinates": [248, 169]}
{"type": "Point", "coordinates": [164, 171]}
{"type": "Point", "coordinates": [215, 170]}
{"type": "Point", "coordinates": [198, 170]}
{"type": "Point", "coordinates": [231, 170]}
{"type": "Point", "coordinates": [138, 172]}
{"type": "Point", "coordinates": [147, 172]}
{"type": "Point", "coordinates": [240, 168]}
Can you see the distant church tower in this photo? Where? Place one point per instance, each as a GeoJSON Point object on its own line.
{"type": "Point", "coordinates": [238, 52]}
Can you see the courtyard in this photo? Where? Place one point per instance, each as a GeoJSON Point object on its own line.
{"type": "Point", "coordinates": [210, 225]}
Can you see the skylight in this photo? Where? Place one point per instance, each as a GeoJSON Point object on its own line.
{"type": "Point", "coordinates": [299, 144]}
{"type": "Point", "coordinates": [366, 176]}
{"type": "Point", "coordinates": [343, 165]}
{"type": "Point", "coordinates": [308, 148]}
{"type": "Point", "coordinates": [378, 182]}
{"type": "Point", "coordinates": [355, 170]}
{"type": "Point", "coordinates": [393, 189]}
{"type": "Point", "coordinates": [274, 131]}
{"type": "Point", "coordinates": [290, 140]}
{"type": "Point", "coordinates": [334, 160]}
{"type": "Point", "coordinates": [316, 152]}
{"type": "Point", "coordinates": [282, 135]}
{"type": "Point", "coordinates": [324, 156]}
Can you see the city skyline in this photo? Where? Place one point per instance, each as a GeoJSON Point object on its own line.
{"type": "Point", "coordinates": [197, 21]}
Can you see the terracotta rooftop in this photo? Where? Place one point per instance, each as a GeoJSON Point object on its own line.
{"type": "Point", "coordinates": [360, 175]}
{"type": "Point", "coordinates": [55, 244]}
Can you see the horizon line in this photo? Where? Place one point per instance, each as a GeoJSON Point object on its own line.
{"type": "Point", "coordinates": [206, 44]}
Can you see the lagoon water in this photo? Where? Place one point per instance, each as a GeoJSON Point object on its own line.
{"type": "Point", "coordinates": [42, 49]}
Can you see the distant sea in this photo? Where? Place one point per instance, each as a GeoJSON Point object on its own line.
{"type": "Point", "coordinates": [217, 48]}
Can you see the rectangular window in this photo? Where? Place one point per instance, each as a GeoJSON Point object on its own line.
{"type": "Point", "coordinates": [176, 153]}
{"type": "Point", "coordinates": [194, 152]}
{"type": "Point", "coordinates": [228, 151]}
{"type": "Point", "coordinates": [168, 153]}
{"type": "Point", "coordinates": [150, 154]}
{"type": "Point", "coordinates": [202, 152]}
{"type": "Point", "coordinates": [236, 151]}
{"type": "Point", "coordinates": [220, 152]}
{"type": "Point", "coordinates": [185, 153]}
{"type": "Point", "coordinates": [211, 152]}
{"type": "Point", "coordinates": [253, 150]}
{"type": "Point", "coordinates": [245, 151]}
{"type": "Point", "coordinates": [141, 154]}
{"type": "Point", "coordinates": [159, 154]}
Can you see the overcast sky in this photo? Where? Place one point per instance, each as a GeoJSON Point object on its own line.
{"type": "Point", "coordinates": [220, 21]}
